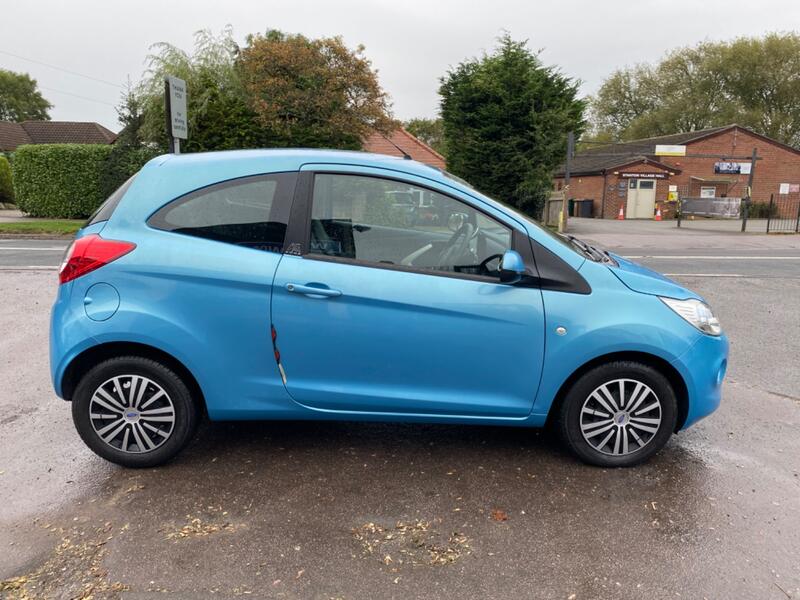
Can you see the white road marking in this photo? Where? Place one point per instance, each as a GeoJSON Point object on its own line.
{"type": "Point", "coordinates": [38, 248]}
{"type": "Point", "coordinates": [685, 257]}
{"type": "Point", "coordinates": [30, 268]}
{"type": "Point", "coordinates": [704, 275]}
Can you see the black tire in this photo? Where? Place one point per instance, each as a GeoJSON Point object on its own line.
{"type": "Point", "coordinates": [570, 415]}
{"type": "Point", "coordinates": [185, 411]}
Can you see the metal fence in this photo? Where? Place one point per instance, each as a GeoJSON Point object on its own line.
{"type": "Point", "coordinates": [779, 214]}
{"type": "Point", "coordinates": [783, 215]}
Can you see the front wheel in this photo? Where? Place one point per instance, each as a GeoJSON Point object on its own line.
{"type": "Point", "coordinates": [134, 411]}
{"type": "Point", "coordinates": [618, 414]}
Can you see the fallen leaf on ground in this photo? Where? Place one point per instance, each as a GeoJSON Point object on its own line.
{"type": "Point", "coordinates": [499, 515]}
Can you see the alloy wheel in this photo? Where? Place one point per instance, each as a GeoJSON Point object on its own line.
{"type": "Point", "coordinates": [620, 417]}
{"type": "Point", "coordinates": [132, 413]}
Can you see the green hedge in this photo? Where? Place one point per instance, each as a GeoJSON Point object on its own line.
{"type": "Point", "coordinates": [6, 186]}
{"type": "Point", "coordinates": [59, 180]}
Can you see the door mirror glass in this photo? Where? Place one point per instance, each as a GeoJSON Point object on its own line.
{"type": "Point", "coordinates": [512, 267]}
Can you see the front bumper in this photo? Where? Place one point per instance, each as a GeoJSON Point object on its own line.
{"type": "Point", "coordinates": [703, 368]}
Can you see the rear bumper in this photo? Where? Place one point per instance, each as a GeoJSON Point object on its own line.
{"type": "Point", "coordinates": [703, 368]}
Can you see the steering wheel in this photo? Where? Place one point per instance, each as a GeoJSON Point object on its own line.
{"type": "Point", "coordinates": [458, 244]}
{"type": "Point", "coordinates": [487, 260]}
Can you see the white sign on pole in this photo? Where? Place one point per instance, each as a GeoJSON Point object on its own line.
{"type": "Point", "coordinates": [670, 150]}
{"type": "Point", "coordinates": [177, 108]}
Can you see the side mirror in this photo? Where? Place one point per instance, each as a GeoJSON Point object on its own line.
{"type": "Point", "coordinates": [512, 267]}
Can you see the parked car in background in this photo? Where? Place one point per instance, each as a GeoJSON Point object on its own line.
{"type": "Point", "coordinates": [279, 284]}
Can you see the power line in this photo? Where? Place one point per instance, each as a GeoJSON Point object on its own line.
{"type": "Point", "coordinates": [77, 96]}
{"type": "Point", "coordinates": [38, 62]}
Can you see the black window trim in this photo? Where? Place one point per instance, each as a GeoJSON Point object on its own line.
{"type": "Point", "coordinates": [111, 203]}
{"type": "Point", "coordinates": [298, 232]}
{"type": "Point", "coordinates": [221, 185]}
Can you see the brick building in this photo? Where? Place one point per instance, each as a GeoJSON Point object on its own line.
{"type": "Point", "coordinates": [631, 175]}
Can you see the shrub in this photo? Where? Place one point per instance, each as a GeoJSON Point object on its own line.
{"type": "Point", "coordinates": [762, 210]}
{"type": "Point", "coordinates": [6, 185]}
{"type": "Point", "coordinates": [59, 180]}
{"type": "Point", "coordinates": [122, 162]}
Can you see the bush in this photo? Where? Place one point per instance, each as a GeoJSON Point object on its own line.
{"type": "Point", "coordinates": [762, 210]}
{"type": "Point", "coordinates": [122, 162]}
{"type": "Point", "coordinates": [6, 185]}
{"type": "Point", "coordinates": [59, 180]}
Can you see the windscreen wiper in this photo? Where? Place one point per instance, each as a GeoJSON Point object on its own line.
{"type": "Point", "coordinates": [588, 250]}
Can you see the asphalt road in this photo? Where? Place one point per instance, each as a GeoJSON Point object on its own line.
{"type": "Point", "coordinates": [344, 510]}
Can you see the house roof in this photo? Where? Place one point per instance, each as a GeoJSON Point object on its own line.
{"type": "Point", "coordinates": [52, 132]}
{"type": "Point", "coordinates": [593, 161]}
{"type": "Point", "coordinates": [11, 136]}
{"type": "Point", "coordinates": [589, 165]}
{"type": "Point", "coordinates": [379, 143]}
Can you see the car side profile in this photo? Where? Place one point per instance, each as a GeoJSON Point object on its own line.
{"type": "Point", "coordinates": [294, 284]}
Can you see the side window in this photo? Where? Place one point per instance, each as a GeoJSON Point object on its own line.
{"type": "Point", "coordinates": [252, 212]}
{"type": "Point", "coordinates": [394, 223]}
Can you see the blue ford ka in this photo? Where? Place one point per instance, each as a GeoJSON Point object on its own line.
{"type": "Point", "coordinates": [303, 284]}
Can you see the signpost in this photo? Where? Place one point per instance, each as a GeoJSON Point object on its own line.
{"type": "Point", "coordinates": [177, 121]}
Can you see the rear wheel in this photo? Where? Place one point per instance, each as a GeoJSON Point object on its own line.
{"type": "Point", "coordinates": [618, 414]}
{"type": "Point", "coordinates": [134, 411]}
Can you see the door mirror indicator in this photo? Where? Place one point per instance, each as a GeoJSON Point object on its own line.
{"type": "Point", "coordinates": [512, 267]}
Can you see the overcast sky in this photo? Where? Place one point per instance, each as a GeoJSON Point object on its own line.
{"type": "Point", "coordinates": [411, 42]}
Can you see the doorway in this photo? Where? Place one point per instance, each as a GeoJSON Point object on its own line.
{"type": "Point", "coordinates": [641, 199]}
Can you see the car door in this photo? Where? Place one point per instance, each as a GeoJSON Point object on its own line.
{"type": "Point", "coordinates": [380, 311]}
{"type": "Point", "coordinates": [211, 257]}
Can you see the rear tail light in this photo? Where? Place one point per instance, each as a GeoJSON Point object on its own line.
{"type": "Point", "coordinates": [89, 253]}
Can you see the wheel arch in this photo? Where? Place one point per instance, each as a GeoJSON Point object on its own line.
{"type": "Point", "coordinates": [84, 361]}
{"type": "Point", "coordinates": [662, 366]}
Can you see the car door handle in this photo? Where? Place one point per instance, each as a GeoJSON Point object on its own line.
{"type": "Point", "coordinates": [312, 291]}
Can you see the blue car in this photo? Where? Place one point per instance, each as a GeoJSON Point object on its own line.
{"type": "Point", "coordinates": [290, 284]}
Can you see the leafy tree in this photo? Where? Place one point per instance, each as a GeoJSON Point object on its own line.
{"type": "Point", "coordinates": [20, 98]}
{"type": "Point", "coordinates": [6, 184]}
{"type": "Point", "coordinates": [313, 92]}
{"type": "Point", "coordinates": [219, 112]}
{"type": "Point", "coordinates": [129, 152]}
{"type": "Point", "coordinates": [505, 119]}
{"type": "Point", "coordinates": [752, 81]}
{"type": "Point", "coordinates": [430, 131]}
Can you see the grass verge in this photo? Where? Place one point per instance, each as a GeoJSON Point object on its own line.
{"type": "Point", "coordinates": [42, 227]}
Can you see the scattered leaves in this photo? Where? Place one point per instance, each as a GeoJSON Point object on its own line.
{"type": "Point", "coordinates": [195, 527]}
{"type": "Point", "coordinates": [415, 543]}
{"type": "Point", "coordinates": [73, 570]}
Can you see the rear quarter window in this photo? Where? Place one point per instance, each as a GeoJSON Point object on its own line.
{"type": "Point", "coordinates": [251, 212]}
{"type": "Point", "coordinates": [107, 208]}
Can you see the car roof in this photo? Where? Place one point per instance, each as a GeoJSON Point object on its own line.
{"type": "Point", "coordinates": [170, 176]}
{"type": "Point", "coordinates": [294, 158]}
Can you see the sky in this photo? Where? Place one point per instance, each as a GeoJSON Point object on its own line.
{"type": "Point", "coordinates": [411, 43]}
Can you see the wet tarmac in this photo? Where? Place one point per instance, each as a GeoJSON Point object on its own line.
{"type": "Point", "coordinates": [348, 510]}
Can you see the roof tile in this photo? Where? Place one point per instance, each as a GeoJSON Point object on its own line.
{"type": "Point", "coordinates": [380, 144]}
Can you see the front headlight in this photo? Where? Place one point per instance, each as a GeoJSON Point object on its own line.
{"type": "Point", "coordinates": [697, 313]}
